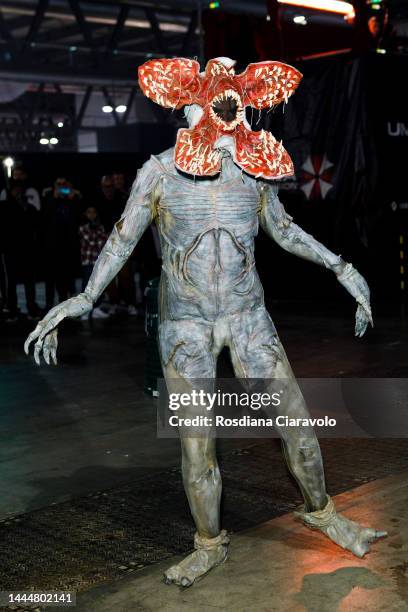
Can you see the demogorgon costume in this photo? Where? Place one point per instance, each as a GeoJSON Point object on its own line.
{"type": "Point", "coordinates": [211, 295]}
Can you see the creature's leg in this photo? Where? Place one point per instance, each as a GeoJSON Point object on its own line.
{"type": "Point", "coordinates": [186, 354]}
{"type": "Point", "coordinates": [257, 353]}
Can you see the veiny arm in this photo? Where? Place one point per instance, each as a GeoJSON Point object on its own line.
{"type": "Point", "coordinates": [281, 228]}
{"type": "Point", "coordinates": [137, 216]}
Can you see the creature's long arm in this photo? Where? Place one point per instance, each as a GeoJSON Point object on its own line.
{"type": "Point", "coordinates": [280, 226]}
{"type": "Point", "coordinates": [137, 216]}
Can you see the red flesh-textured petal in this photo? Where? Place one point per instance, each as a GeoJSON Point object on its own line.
{"type": "Point", "coordinates": [260, 154]}
{"type": "Point", "coordinates": [266, 84]}
{"type": "Point", "coordinates": [172, 83]}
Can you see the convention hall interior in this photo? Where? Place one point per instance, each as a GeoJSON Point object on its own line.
{"type": "Point", "coordinates": [94, 171]}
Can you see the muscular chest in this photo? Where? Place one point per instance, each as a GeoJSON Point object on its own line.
{"type": "Point", "coordinates": [187, 208]}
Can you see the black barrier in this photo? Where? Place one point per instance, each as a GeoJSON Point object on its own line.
{"type": "Point", "coordinates": [153, 369]}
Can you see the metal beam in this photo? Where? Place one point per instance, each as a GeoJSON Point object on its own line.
{"type": "Point", "coordinates": [84, 106]}
{"type": "Point", "coordinates": [189, 35]}
{"type": "Point", "coordinates": [59, 33]}
{"type": "Point", "coordinates": [24, 73]}
{"type": "Point", "coordinates": [129, 104]}
{"type": "Point", "coordinates": [84, 27]}
{"type": "Point", "coordinates": [36, 23]}
{"type": "Point", "coordinates": [5, 31]}
{"type": "Point", "coordinates": [118, 29]}
{"type": "Point", "coordinates": [158, 35]}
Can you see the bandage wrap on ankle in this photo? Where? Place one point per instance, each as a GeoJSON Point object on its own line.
{"type": "Point", "coordinates": [201, 543]}
{"type": "Point", "coordinates": [319, 518]}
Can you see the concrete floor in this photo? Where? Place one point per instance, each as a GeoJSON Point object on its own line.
{"type": "Point", "coordinates": [87, 424]}
{"type": "Point", "coordinates": [283, 566]}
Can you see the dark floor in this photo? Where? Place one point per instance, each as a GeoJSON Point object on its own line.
{"type": "Point", "coordinates": [106, 535]}
{"type": "Point", "coordinates": [84, 474]}
{"type": "Point", "coordinates": [86, 424]}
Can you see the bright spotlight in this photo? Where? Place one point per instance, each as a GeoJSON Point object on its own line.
{"type": "Point", "coordinates": [8, 163]}
{"type": "Point", "coordinates": [300, 20]}
{"type": "Point", "coordinates": [107, 108]}
{"type": "Point", "coordinates": [121, 108]}
{"type": "Point", "coordinates": [60, 124]}
{"type": "Point", "coordinates": [53, 140]}
{"type": "Point", "coordinates": [44, 141]}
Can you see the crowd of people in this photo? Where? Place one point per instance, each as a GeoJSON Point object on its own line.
{"type": "Point", "coordinates": [56, 236]}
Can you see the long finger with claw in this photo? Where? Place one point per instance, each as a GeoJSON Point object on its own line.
{"type": "Point", "coordinates": [54, 345]}
{"type": "Point", "coordinates": [50, 325]}
{"type": "Point", "coordinates": [33, 336]}
{"type": "Point", "coordinates": [37, 351]}
{"type": "Point", "coordinates": [48, 346]}
{"type": "Point", "coordinates": [365, 307]}
{"type": "Point", "coordinates": [361, 323]}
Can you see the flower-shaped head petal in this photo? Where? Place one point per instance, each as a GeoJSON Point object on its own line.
{"type": "Point", "coordinates": [222, 95]}
{"type": "Point", "coordinates": [266, 84]}
{"type": "Point", "coordinates": [172, 83]}
{"type": "Point", "coordinates": [220, 66]}
{"type": "Point", "coordinates": [194, 152]}
{"type": "Point", "coordinates": [261, 155]}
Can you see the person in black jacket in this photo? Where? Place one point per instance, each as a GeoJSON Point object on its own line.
{"type": "Point", "coordinates": [19, 244]}
{"type": "Point", "coordinates": [61, 218]}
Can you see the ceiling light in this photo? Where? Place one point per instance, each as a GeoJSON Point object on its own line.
{"type": "Point", "coordinates": [44, 141]}
{"type": "Point", "coordinates": [54, 141]}
{"type": "Point", "coordinates": [300, 20]}
{"type": "Point", "coordinates": [332, 6]}
{"type": "Point", "coordinates": [107, 108]}
{"type": "Point", "coordinates": [60, 124]}
{"type": "Point", "coordinates": [121, 108]}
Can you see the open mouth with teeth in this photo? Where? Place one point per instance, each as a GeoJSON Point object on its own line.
{"type": "Point", "coordinates": [223, 97]}
{"type": "Point", "coordinates": [227, 110]}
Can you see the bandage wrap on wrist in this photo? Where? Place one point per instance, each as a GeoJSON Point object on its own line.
{"type": "Point", "coordinates": [348, 272]}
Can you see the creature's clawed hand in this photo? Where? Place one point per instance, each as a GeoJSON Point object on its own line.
{"type": "Point", "coordinates": [46, 332]}
{"type": "Point", "coordinates": [357, 287]}
{"type": "Point", "coordinates": [363, 318]}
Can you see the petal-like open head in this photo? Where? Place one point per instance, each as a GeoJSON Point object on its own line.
{"type": "Point", "coordinates": [172, 83]}
{"type": "Point", "coordinates": [266, 84]}
{"type": "Point", "coordinates": [220, 66]}
{"type": "Point", "coordinates": [261, 155]}
{"type": "Point", "coordinates": [194, 152]}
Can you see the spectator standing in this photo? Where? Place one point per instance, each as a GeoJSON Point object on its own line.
{"type": "Point", "coordinates": [19, 175]}
{"type": "Point", "coordinates": [119, 184]}
{"type": "Point", "coordinates": [61, 217]}
{"type": "Point", "coordinates": [19, 244]}
{"type": "Point", "coordinates": [92, 237]}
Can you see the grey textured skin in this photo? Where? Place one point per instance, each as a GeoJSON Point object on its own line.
{"type": "Point", "coordinates": [211, 297]}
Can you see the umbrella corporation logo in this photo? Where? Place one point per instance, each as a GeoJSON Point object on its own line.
{"type": "Point", "coordinates": [199, 409]}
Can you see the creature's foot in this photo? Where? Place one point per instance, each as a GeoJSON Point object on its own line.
{"type": "Point", "coordinates": [341, 530]}
{"type": "Point", "coordinates": [208, 554]}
